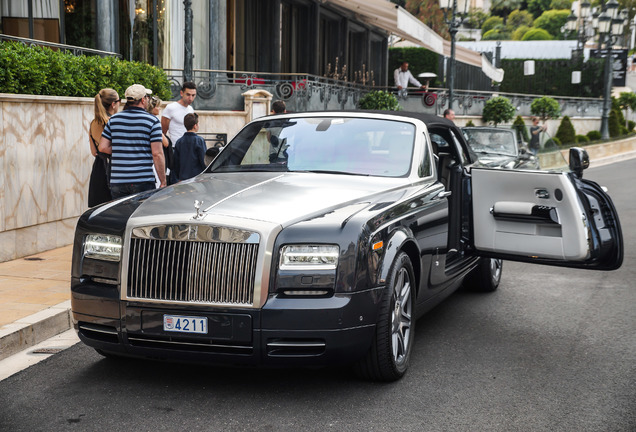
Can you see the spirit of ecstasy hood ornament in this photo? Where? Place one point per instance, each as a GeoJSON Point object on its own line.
{"type": "Point", "coordinates": [200, 213]}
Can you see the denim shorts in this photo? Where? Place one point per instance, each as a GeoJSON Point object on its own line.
{"type": "Point", "coordinates": [120, 190]}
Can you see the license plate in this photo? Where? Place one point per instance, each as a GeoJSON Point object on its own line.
{"type": "Point", "coordinates": [185, 324]}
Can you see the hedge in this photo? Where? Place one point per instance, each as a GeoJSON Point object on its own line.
{"type": "Point", "coordinates": [40, 70]}
{"type": "Point", "coordinates": [554, 77]}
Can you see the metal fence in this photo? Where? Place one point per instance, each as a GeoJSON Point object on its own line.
{"type": "Point", "coordinates": [75, 50]}
{"type": "Point", "coordinates": [221, 90]}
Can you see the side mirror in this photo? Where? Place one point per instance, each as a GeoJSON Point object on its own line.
{"type": "Point", "coordinates": [579, 160]}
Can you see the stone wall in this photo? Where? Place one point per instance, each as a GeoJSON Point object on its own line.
{"type": "Point", "coordinates": [45, 164]}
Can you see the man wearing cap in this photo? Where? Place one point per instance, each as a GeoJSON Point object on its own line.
{"type": "Point", "coordinates": [134, 139]}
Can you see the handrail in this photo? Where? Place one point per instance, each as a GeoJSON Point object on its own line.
{"type": "Point", "coordinates": [74, 49]}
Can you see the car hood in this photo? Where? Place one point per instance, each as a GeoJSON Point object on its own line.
{"type": "Point", "coordinates": [280, 198]}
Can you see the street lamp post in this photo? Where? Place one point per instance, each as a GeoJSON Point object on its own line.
{"type": "Point", "coordinates": [609, 28]}
{"type": "Point", "coordinates": [454, 22]}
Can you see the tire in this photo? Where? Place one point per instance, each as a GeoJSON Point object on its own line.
{"type": "Point", "coordinates": [389, 355]}
{"type": "Point", "coordinates": [486, 276]}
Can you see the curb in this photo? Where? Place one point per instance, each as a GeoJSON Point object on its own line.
{"type": "Point", "coordinates": [31, 330]}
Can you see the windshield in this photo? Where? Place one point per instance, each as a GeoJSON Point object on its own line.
{"type": "Point", "coordinates": [492, 141]}
{"type": "Point", "coordinates": [354, 146]}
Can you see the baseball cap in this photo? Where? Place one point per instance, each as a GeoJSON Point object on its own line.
{"type": "Point", "coordinates": [136, 92]}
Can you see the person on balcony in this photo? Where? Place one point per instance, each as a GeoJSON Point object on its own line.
{"type": "Point", "coordinates": [403, 76]}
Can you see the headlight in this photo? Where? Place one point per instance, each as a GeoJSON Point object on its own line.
{"type": "Point", "coordinates": [102, 247]}
{"type": "Point", "coordinates": [309, 257]}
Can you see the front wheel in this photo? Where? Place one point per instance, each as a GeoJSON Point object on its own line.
{"type": "Point", "coordinates": [388, 358]}
{"type": "Point", "coordinates": [486, 276]}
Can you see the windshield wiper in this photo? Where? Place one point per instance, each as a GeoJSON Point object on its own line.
{"type": "Point", "coordinates": [332, 172]}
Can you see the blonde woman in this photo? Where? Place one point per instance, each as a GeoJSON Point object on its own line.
{"type": "Point", "coordinates": [106, 104]}
{"type": "Point", "coordinates": [154, 107]}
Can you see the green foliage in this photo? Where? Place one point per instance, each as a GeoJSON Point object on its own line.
{"type": "Point", "coordinates": [504, 7]}
{"type": "Point", "coordinates": [519, 18]}
{"type": "Point", "coordinates": [631, 125]}
{"type": "Point", "coordinates": [476, 18]}
{"type": "Point", "coordinates": [566, 133]}
{"type": "Point", "coordinates": [594, 135]}
{"type": "Point", "coordinates": [537, 7]}
{"type": "Point", "coordinates": [496, 34]}
{"type": "Point", "coordinates": [581, 139]}
{"type": "Point", "coordinates": [419, 59]}
{"type": "Point", "coordinates": [520, 126]}
{"type": "Point", "coordinates": [379, 100]}
{"type": "Point", "coordinates": [41, 71]}
{"type": "Point", "coordinates": [552, 21]}
{"type": "Point", "coordinates": [498, 110]}
{"type": "Point", "coordinates": [536, 34]}
{"type": "Point", "coordinates": [470, 124]}
{"type": "Point", "coordinates": [491, 23]}
{"type": "Point", "coordinates": [545, 108]}
{"type": "Point", "coordinates": [519, 33]}
{"type": "Point", "coordinates": [552, 142]}
{"type": "Point", "coordinates": [613, 124]}
{"type": "Point", "coordinates": [627, 100]}
{"type": "Point", "coordinates": [561, 4]}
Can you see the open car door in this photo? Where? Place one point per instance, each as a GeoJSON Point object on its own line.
{"type": "Point", "coordinates": [550, 217]}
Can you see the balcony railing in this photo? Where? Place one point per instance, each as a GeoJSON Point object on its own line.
{"type": "Point", "coordinates": [221, 90]}
{"type": "Point", "coordinates": [75, 50]}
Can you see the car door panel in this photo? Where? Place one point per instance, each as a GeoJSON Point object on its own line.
{"type": "Point", "coordinates": [548, 217]}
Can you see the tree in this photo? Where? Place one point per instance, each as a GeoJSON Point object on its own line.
{"type": "Point", "coordinates": [519, 18]}
{"type": "Point", "coordinates": [545, 108]}
{"type": "Point", "coordinates": [566, 133]}
{"type": "Point", "coordinates": [552, 21]}
{"type": "Point", "coordinates": [496, 34]}
{"type": "Point", "coordinates": [519, 33]}
{"type": "Point", "coordinates": [537, 7]}
{"type": "Point", "coordinates": [613, 124]}
{"type": "Point", "coordinates": [627, 100]}
{"type": "Point", "coordinates": [561, 4]}
{"type": "Point", "coordinates": [476, 18]}
{"type": "Point", "coordinates": [498, 110]}
{"type": "Point", "coordinates": [520, 126]}
{"type": "Point", "coordinates": [503, 8]}
{"type": "Point", "coordinates": [536, 34]}
{"type": "Point", "coordinates": [491, 23]}
{"type": "Point", "coordinates": [379, 100]}
{"type": "Point", "coordinates": [429, 12]}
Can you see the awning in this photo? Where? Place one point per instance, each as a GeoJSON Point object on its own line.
{"type": "Point", "coordinates": [396, 20]}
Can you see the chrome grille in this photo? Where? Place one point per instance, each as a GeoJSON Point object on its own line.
{"type": "Point", "coordinates": [192, 271]}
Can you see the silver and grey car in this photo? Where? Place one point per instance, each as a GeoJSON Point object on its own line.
{"type": "Point", "coordinates": [318, 239]}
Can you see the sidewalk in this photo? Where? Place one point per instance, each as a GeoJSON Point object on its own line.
{"type": "Point", "coordinates": [34, 299]}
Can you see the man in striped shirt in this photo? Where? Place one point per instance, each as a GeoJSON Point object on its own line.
{"type": "Point", "coordinates": [133, 137]}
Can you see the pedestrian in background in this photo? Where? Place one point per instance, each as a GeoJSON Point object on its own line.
{"type": "Point", "coordinates": [134, 139]}
{"type": "Point", "coordinates": [449, 114]}
{"type": "Point", "coordinates": [106, 103]}
{"type": "Point", "coordinates": [535, 130]}
{"type": "Point", "coordinates": [189, 151]}
{"type": "Point", "coordinates": [278, 107]}
{"type": "Point", "coordinates": [174, 113]}
{"type": "Point", "coordinates": [154, 108]}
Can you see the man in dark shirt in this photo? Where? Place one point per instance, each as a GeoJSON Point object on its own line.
{"type": "Point", "coordinates": [189, 151]}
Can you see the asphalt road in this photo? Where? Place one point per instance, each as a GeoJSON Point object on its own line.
{"type": "Point", "coordinates": [552, 350]}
